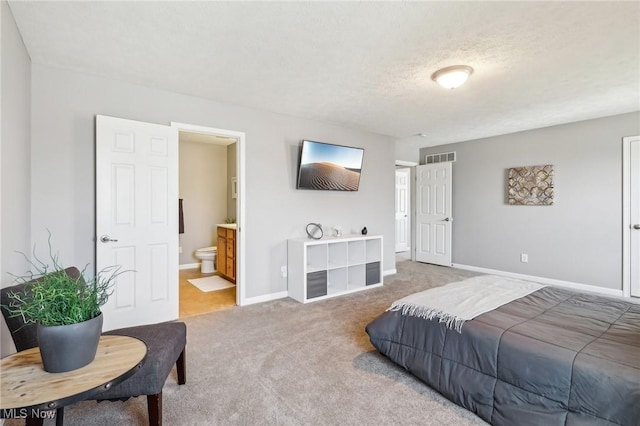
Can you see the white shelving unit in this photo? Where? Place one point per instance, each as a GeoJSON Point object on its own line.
{"type": "Point", "coordinates": [329, 267]}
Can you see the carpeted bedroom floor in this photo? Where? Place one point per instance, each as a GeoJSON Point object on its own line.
{"type": "Point", "coordinates": [286, 363]}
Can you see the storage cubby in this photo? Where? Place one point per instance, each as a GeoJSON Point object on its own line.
{"type": "Point", "coordinates": [374, 250]}
{"type": "Point", "coordinates": [316, 284]}
{"type": "Point", "coordinates": [316, 258]}
{"type": "Point", "coordinates": [373, 273]}
{"type": "Point", "coordinates": [356, 252]}
{"type": "Point", "coordinates": [337, 255]}
{"type": "Point", "coordinates": [333, 266]}
{"type": "Point", "coordinates": [338, 280]}
{"type": "Point", "coordinates": [357, 276]}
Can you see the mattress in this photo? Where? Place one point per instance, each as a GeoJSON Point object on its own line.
{"type": "Point", "coordinates": [554, 357]}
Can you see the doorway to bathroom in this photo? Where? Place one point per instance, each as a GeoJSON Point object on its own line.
{"type": "Point", "coordinates": [210, 266]}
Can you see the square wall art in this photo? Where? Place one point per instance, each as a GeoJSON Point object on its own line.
{"type": "Point", "coordinates": [531, 185]}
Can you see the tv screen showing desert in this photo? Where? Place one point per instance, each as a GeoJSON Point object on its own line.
{"type": "Point", "coordinates": [329, 167]}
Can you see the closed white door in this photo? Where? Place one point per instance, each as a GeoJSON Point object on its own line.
{"type": "Point", "coordinates": [137, 219]}
{"type": "Point", "coordinates": [403, 209]}
{"type": "Point", "coordinates": [634, 228]}
{"type": "Point", "coordinates": [433, 213]}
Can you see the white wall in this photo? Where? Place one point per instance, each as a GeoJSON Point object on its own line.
{"type": "Point", "coordinates": [63, 108]}
{"type": "Point", "coordinates": [15, 91]}
{"type": "Point", "coordinates": [579, 238]}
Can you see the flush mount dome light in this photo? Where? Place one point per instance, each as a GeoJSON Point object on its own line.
{"type": "Point", "coordinates": [452, 77]}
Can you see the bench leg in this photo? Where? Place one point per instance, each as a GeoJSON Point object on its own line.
{"type": "Point", "coordinates": [154, 407]}
{"type": "Point", "coordinates": [34, 421]}
{"type": "Point", "coordinates": [182, 368]}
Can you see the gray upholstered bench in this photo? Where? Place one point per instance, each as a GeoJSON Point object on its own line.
{"type": "Point", "coordinates": [165, 347]}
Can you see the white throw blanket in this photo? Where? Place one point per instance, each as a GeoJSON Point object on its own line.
{"type": "Point", "coordinates": [464, 300]}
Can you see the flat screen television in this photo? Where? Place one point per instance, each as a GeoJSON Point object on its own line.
{"type": "Point", "coordinates": [326, 166]}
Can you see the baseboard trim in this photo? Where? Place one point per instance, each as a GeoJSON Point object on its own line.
{"type": "Point", "coordinates": [265, 298]}
{"type": "Point", "coordinates": [542, 280]}
{"type": "Point", "coordinates": [282, 294]}
{"type": "Point", "coordinates": [189, 266]}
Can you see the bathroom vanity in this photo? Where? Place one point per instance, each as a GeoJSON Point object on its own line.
{"type": "Point", "coordinates": [226, 262]}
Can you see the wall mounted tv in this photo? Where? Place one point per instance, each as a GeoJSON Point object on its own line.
{"type": "Point", "coordinates": [325, 166]}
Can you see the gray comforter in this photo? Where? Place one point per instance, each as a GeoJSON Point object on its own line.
{"type": "Point", "coordinates": [555, 357]}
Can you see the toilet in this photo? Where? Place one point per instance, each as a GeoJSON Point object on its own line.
{"type": "Point", "coordinates": [207, 256]}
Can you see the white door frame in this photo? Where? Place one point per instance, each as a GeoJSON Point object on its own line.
{"type": "Point", "coordinates": [626, 214]}
{"type": "Point", "coordinates": [240, 200]}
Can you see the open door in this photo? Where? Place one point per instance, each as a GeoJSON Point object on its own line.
{"type": "Point", "coordinates": [631, 217]}
{"type": "Point", "coordinates": [433, 213]}
{"type": "Point", "coordinates": [137, 219]}
{"type": "Point", "coordinates": [403, 210]}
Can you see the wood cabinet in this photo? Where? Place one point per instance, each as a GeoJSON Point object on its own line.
{"type": "Point", "coordinates": [226, 262]}
{"type": "Point", "coordinates": [330, 267]}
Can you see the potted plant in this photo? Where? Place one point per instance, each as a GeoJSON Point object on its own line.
{"type": "Point", "coordinates": [65, 309]}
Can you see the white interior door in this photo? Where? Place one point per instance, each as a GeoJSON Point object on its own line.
{"type": "Point", "coordinates": [433, 213]}
{"type": "Point", "coordinates": [634, 214]}
{"type": "Point", "coordinates": [137, 219]}
{"type": "Point", "coordinates": [403, 210]}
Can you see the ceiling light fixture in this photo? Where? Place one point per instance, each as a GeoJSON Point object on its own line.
{"type": "Point", "coordinates": [452, 77]}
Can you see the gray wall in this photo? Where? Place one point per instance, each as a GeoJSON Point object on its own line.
{"type": "Point", "coordinates": [15, 165]}
{"type": "Point", "coordinates": [64, 104]}
{"type": "Point", "coordinates": [15, 92]}
{"type": "Point", "coordinates": [579, 238]}
{"type": "Point", "coordinates": [407, 150]}
{"type": "Point", "coordinates": [203, 188]}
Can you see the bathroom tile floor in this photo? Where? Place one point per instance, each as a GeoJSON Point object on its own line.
{"type": "Point", "coordinates": [196, 302]}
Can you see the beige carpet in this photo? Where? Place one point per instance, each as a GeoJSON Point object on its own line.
{"type": "Point", "coordinates": [285, 363]}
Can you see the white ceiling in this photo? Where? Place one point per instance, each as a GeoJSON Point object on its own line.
{"type": "Point", "coordinates": [363, 65]}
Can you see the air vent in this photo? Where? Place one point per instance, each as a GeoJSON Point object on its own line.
{"type": "Point", "coordinates": [440, 158]}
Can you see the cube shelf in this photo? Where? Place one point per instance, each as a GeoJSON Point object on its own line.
{"type": "Point", "coordinates": [319, 269]}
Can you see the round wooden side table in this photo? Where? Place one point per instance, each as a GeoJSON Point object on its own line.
{"type": "Point", "coordinates": [26, 390]}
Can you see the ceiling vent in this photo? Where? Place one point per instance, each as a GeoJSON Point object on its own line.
{"type": "Point", "coordinates": [446, 157]}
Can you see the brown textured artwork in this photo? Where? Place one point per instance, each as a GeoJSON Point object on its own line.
{"type": "Point", "coordinates": [531, 185]}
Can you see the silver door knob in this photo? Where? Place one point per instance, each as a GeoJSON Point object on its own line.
{"type": "Point", "coordinates": [636, 226]}
{"type": "Point", "coordinates": [446, 219]}
{"type": "Point", "coordinates": [107, 239]}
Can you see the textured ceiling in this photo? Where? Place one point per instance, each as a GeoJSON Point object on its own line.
{"type": "Point", "coordinates": [363, 65]}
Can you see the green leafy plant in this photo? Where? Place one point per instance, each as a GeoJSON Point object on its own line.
{"type": "Point", "coordinates": [230, 220]}
{"type": "Point", "coordinates": [57, 298]}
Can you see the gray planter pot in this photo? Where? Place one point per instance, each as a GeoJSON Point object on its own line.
{"type": "Point", "coordinates": [69, 347]}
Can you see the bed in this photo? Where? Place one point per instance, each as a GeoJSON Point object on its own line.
{"type": "Point", "coordinates": [552, 357]}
